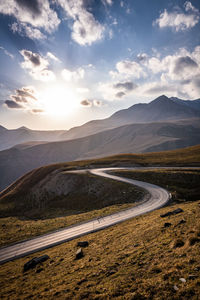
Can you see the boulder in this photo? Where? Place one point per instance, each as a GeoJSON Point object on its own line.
{"type": "Point", "coordinates": [79, 253]}
{"type": "Point", "coordinates": [34, 262]}
{"type": "Point", "coordinates": [83, 244]}
{"type": "Point", "coordinates": [167, 224]}
{"type": "Point", "coordinates": [173, 212]}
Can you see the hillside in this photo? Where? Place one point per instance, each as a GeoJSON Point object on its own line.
{"type": "Point", "coordinates": [138, 259]}
{"type": "Point", "coordinates": [11, 137]}
{"type": "Point", "coordinates": [20, 188]}
{"type": "Point", "coordinates": [134, 138]}
{"type": "Point", "coordinates": [161, 109]}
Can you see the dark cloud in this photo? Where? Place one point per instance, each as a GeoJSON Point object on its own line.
{"type": "Point", "coordinates": [31, 5]}
{"type": "Point", "coordinates": [33, 57]}
{"type": "Point", "coordinates": [120, 94]}
{"type": "Point", "coordinates": [127, 86]}
{"type": "Point", "coordinates": [13, 104]}
{"type": "Point", "coordinates": [86, 102]}
{"type": "Point", "coordinates": [23, 95]}
{"type": "Point", "coordinates": [184, 62]}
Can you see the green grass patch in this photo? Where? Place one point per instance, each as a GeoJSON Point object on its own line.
{"type": "Point", "coordinates": [183, 184]}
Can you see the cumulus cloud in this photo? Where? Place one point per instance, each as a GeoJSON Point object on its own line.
{"type": "Point", "coordinates": [27, 30]}
{"type": "Point", "coordinates": [86, 103]}
{"type": "Point", "coordinates": [73, 75]}
{"type": "Point", "coordinates": [120, 94]}
{"type": "Point", "coordinates": [24, 95]}
{"type": "Point", "coordinates": [13, 104]}
{"type": "Point", "coordinates": [25, 98]}
{"type": "Point", "coordinates": [174, 74]}
{"type": "Point", "coordinates": [112, 91]}
{"type": "Point", "coordinates": [90, 103]}
{"type": "Point", "coordinates": [127, 86]}
{"type": "Point", "coordinates": [179, 21]}
{"type": "Point", "coordinates": [36, 13]}
{"type": "Point", "coordinates": [6, 52]}
{"type": "Point", "coordinates": [85, 29]}
{"type": "Point", "coordinates": [37, 66]}
{"type": "Point", "coordinates": [130, 68]}
{"type": "Point", "coordinates": [184, 62]}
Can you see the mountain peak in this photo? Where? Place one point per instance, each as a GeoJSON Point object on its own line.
{"type": "Point", "coordinates": [23, 128]}
{"type": "Point", "coordinates": [160, 99]}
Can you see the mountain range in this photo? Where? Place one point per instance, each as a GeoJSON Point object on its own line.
{"type": "Point", "coordinates": [163, 124]}
{"type": "Point", "coordinates": [159, 110]}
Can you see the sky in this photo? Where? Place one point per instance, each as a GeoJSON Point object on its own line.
{"type": "Point", "coordinates": [65, 62]}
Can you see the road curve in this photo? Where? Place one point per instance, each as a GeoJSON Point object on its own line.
{"type": "Point", "coordinates": [158, 198]}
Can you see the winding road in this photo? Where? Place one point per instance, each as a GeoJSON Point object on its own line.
{"type": "Point", "coordinates": [158, 198]}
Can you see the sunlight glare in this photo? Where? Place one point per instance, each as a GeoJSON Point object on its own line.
{"type": "Point", "coordinates": [59, 101]}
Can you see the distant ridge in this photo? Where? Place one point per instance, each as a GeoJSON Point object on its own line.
{"type": "Point", "coordinates": [132, 138]}
{"type": "Point", "coordinates": [159, 110]}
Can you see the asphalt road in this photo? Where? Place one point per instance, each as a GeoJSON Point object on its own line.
{"type": "Point", "coordinates": [158, 198]}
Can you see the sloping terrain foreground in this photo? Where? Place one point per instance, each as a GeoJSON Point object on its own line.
{"type": "Point", "coordinates": [138, 259]}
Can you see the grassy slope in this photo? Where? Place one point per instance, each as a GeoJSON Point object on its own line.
{"type": "Point", "coordinates": [182, 157]}
{"type": "Point", "coordinates": [135, 260]}
{"type": "Point", "coordinates": [54, 217]}
{"type": "Point", "coordinates": [22, 218]}
{"type": "Point", "coordinates": [183, 184]}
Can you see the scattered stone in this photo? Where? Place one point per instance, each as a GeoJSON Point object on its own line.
{"type": "Point", "coordinates": [182, 280]}
{"type": "Point", "coordinates": [167, 224]}
{"type": "Point", "coordinates": [79, 253]}
{"type": "Point", "coordinates": [178, 243]}
{"type": "Point", "coordinates": [83, 244]}
{"type": "Point", "coordinates": [39, 270]}
{"type": "Point", "coordinates": [176, 288]}
{"type": "Point", "coordinates": [194, 240]}
{"type": "Point", "coordinates": [192, 276]}
{"type": "Point", "coordinates": [170, 213]}
{"type": "Point", "coordinates": [34, 262]}
{"type": "Point", "coordinates": [81, 281]}
{"type": "Point", "coordinates": [181, 222]}
{"type": "Point", "coordinates": [136, 245]}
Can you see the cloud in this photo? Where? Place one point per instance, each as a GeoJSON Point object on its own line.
{"type": "Point", "coordinates": [13, 104]}
{"type": "Point", "coordinates": [86, 103]}
{"type": "Point", "coordinates": [25, 98]}
{"type": "Point", "coordinates": [111, 91]}
{"type": "Point", "coordinates": [90, 103]}
{"type": "Point", "coordinates": [37, 111]}
{"type": "Point", "coordinates": [36, 13]}
{"type": "Point", "coordinates": [127, 86]}
{"type": "Point", "coordinates": [73, 75]}
{"type": "Point", "coordinates": [6, 52]}
{"type": "Point", "coordinates": [130, 68]}
{"type": "Point", "coordinates": [27, 30]}
{"type": "Point", "coordinates": [53, 57]}
{"type": "Point", "coordinates": [179, 21]}
{"type": "Point", "coordinates": [184, 62]}
{"type": "Point", "coordinates": [85, 29]}
{"type": "Point", "coordinates": [108, 2]}
{"type": "Point", "coordinates": [120, 94]}
{"type": "Point", "coordinates": [37, 66]}
{"type": "Point", "coordinates": [24, 95]}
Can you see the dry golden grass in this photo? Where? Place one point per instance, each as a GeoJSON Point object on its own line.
{"type": "Point", "coordinates": [136, 259]}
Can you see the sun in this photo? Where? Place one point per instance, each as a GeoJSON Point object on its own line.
{"type": "Point", "coordinates": [59, 100]}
